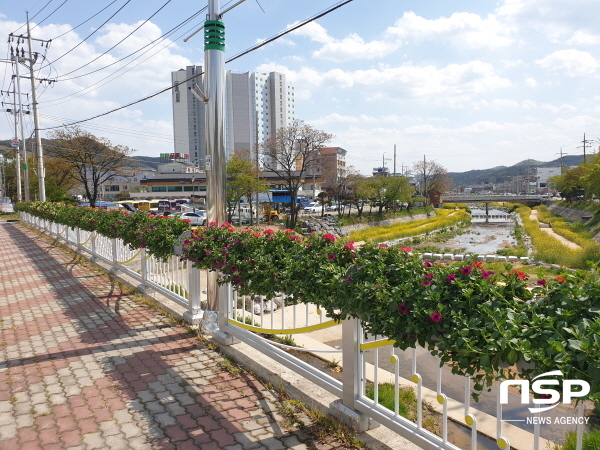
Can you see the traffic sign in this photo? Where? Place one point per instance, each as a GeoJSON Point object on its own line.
{"type": "Point", "coordinates": [14, 143]}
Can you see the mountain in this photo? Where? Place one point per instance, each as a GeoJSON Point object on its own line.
{"type": "Point", "coordinates": [503, 174]}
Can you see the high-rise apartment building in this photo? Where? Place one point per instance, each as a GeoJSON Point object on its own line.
{"type": "Point", "coordinates": [256, 106]}
{"type": "Point", "coordinates": [188, 115]}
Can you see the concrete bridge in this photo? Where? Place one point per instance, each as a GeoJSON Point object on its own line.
{"type": "Point", "coordinates": [532, 199]}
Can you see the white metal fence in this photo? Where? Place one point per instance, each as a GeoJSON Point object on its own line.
{"type": "Point", "coordinates": [440, 402]}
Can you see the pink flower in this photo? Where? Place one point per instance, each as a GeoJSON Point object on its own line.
{"type": "Point", "coordinates": [485, 274]}
{"type": "Point", "coordinates": [428, 264]}
{"type": "Point", "coordinates": [403, 309]}
{"type": "Point", "coordinates": [429, 276]}
{"type": "Point", "coordinates": [331, 257]}
{"type": "Point", "coordinates": [225, 224]}
{"type": "Point", "coordinates": [541, 283]}
{"type": "Point", "coordinates": [406, 249]}
{"type": "Point", "coordinates": [269, 231]}
{"type": "Point", "coordinates": [349, 280]}
{"type": "Point", "coordinates": [465, 270]}
{"type": "Point", "coordinates": [427, 283]}
{"type": "Point", "coordinates": [256, 234]}
{"type": "Point", "coordinates": [436, 317]}
{"type": "Point", "coordinates": [329, 237]}
{"type": "Point", "coordinates": [288, 231]}
{"type": "Point", "coordinates": [383, 246]}
{"type": "Point", "coordinates": [350, 246]}
{"type": "Point", "coordinates": [450, 278]}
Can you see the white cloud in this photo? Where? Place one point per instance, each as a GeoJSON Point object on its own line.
{"type": "Point", "coordinates": [451, 85]}
{"type": "Point", "coordinates": [354, 47]}
{"type": "Point", "coordinates": [530, 82]}
{"type": "Point", "coordinates": [314, 31]}
{"type": "Point", "coordinates": [505, 103]}
{"type": "Point", "coordinates": [572, 62]}
{"type": "Point", "coordinates": [557, 109]}
{"type": "Point", "coordinates": [582, 37]}
{"type": "Point", "coordinates": [461, 29]}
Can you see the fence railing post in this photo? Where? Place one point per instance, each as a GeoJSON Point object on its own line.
{"type": "Point", "coordinates": [115, 256]}
{"type": "Point", "coordinates": [144, 269]}
{"type": "Point", "coordinates": [344, 408]}
{"type": "Point", "coordinates": [93, 246]}
{"type": "Point", "coordinates": [193, 315]}
{"type": "Point", "coordinates": [78, 239]}
{"type": "Point", "coordinates": [223, 309]}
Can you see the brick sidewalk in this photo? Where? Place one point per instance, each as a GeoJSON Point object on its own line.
{"type": "Point", "coordinates": [83, 366]}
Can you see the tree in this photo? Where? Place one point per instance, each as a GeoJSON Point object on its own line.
{"type": "Point", "coordinates": [432, 176]}
{"type": "Point", "coordinates": [93, 160]}
{"type": "Point", "coordinates": [290, 153]}
{"type": "Point", "coordinates": [571, 183]}
{"type": "Point", "coordinates": [242, 181]}
{"type": "Point", "coordinates": [60, 178]}
{"type": "Point", "coordinates": [362, 191]}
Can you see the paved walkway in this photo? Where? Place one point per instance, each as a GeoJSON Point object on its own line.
{"type": "Point", "coordinates": [84, 366]}
{"type": "Point", "coordinates": [572, 245]}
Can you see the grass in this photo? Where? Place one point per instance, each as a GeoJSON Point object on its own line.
{"type": "Point", "coordinates": [374, 216]}
{"type": "Point", "coordinates": [591, 441]}
{"type": "Point", "coordinates": [550, 250]}
{"type": "Point", "coordinates": [444, 218]}
{"type": "Point", "coordinates": [407, 404]}
{"type": "Point", "coordinates": [325, 428]}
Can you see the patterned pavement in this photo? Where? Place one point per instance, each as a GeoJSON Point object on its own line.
{"type": "Point", "coordinates": [83, 366]}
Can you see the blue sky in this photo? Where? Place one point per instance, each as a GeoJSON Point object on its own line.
{"type": "Point", "coordinates": [471, 84]}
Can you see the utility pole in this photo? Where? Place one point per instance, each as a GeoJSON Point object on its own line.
{"type": "Point", "coordinates": [584, 142]}
{"type": "Point", "coordinates": [14, 111]}
{"type": "Point", "coordinates": [32, 60]}
{"type": "Point", "coordinates": [38, 138]}
{"type": "Point", "coordinates": [24, 165]}
{"type": "Point", "coordinates": [394, 160]}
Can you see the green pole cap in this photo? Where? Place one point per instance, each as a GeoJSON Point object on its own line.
{"type": "Point", "coordinates": [214, 35]}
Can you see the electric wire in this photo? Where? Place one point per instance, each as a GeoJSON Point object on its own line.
{"type": "Point", "coordinates": [85, 21]}
{"type": "Point", "coordinates": [153, 44]}
{"type": "Point", "coordinates": [35, 15]}
{"type": "Point", "coordinates": [239, 55]}
{"type": "Point", "coordinates": [137, 28]}
{"type": "Point", "coordinates": [41, 21]}
{"type": "Point", "coordinates": [92, 33]}
{"type": "Point", "coordinates": [160, 38]}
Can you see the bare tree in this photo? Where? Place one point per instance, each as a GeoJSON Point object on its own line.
{"type": "Point", "coordinates": [290, 153]}
{"type": "Point", "coordinates": [93, 160]}
{"type": "Point", "coordinates": [432, 176]}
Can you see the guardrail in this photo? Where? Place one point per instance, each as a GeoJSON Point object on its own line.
{"type": "Point", "coordinates": [370, 364]}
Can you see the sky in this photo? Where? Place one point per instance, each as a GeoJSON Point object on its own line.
{"type": "Point", "coordinates": [471, 84]}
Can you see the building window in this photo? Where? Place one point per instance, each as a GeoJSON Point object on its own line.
{"type": "Point", "coordinates": [174, 189]}
{"type": "Point", "coordinates": [159, 189]}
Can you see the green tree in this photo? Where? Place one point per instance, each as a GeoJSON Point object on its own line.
{"type": "Point", "coordinates": [571, 183]}
{"type": "Point", "coordinates": [243, 180]}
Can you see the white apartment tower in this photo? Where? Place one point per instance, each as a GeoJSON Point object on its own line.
{"type": "Point", "coordinates": [256, 106]}
{"type": "Point", "coordinates": [188, 115]}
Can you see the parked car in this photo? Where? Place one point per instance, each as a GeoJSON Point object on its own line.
{"type": "Point", "coordinates": [196, 218]}
{"type": "Point", "coordinates": [313, 207]}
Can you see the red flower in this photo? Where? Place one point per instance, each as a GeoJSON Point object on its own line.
{"type": "Point", "coordinates": [406, 249]}
{"type": "Point", "coordinates": [561, 279]}
{"type": "Point", "coordinates": [403, 309]}
{"type": "Point", "coordinates": [436, 317]}
{"type": "Point", "coordinates": [256, 234]}
{"type": "Point", "coordinates": [520, 275]}
{"type": "Point", "coordinates": [428, 264]}
{"type": "Point", "coordinates": [269, 231]}
{"type": "Point", "coordinates": [288, 231]}
{"type": "Point", "coordinates": [187, 220]}
{"type": "Point", "coordinates": [541, 282]}
{"type": "Point", "coordinates": [329, 237]}
{"type": "Point", "coordinates": [225, 224]}
{"type": "Point", "coordinates": [477, 264]}
{"type": "Point", "coordinates": [383, 246]}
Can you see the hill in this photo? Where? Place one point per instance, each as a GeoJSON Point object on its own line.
{"type": "Point", "coordinates": [503, 174]}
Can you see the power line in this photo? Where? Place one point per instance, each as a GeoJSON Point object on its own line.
{"type": "Point", "coordinates": [152, 44]}
{"type": "Point", "coordinates": [85, 21]}
{"type": "Point", "coordinates": [34, 16]}
{"type": "Point", "coordinates": [137, 28]}
{"type": "Point", "coordinates": [239, 55]}
{"type": "Point", "coordinates": [41, 21]}
{"type": "Point", "coordinates": [91, 34]}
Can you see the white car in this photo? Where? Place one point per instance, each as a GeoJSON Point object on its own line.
{"type": "Point", "coordinates": [196, 218]}
{"type": "Point", "coordinates": [313, 207]}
